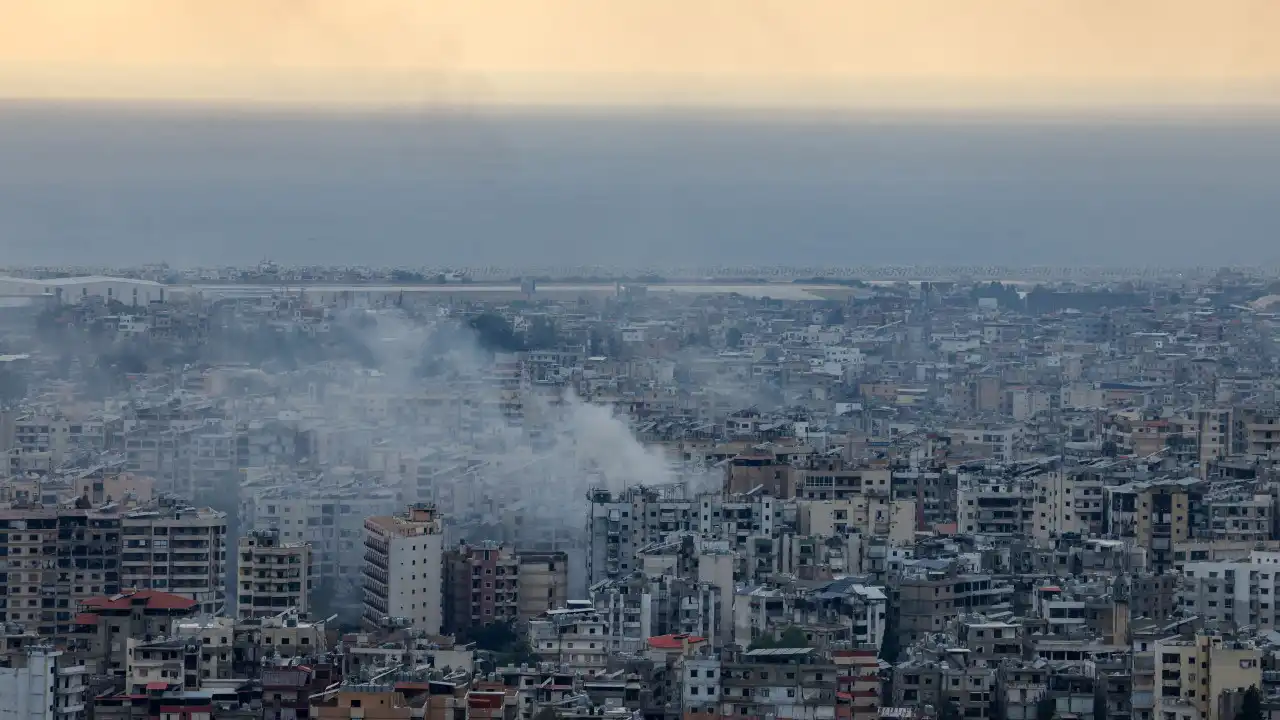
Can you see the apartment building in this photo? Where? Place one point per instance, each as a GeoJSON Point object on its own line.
{"type": "Point", "coordinates": [163, 453]}
{"type": "Point", "coordinates": [867, 515]}
{"type": "Point", "coordinates": [932, 594]}
{"type": "Point", "coordinates": [778, 682]}
{"type": "Point", "coordinates": [625, 606]}
{"type": "Point", "coordinates": [1257, 431]}
{"type": "Point", "coordinates": [932, 486]}
{"type": "Point", "coordinates": [52, 434]}
{"type": "Point", "coordinates": [481, 586]}
{"type": "Point", "coordinates": [213, 463]}
{"type": "Point", "coordinates": [945, 676]}
{"type": "Point", "coordinates": [759, 469]}
{"type": "Point", "coordinates": [620, 524]}
{"type": "Point", "coordinates": [1067, 502]}
{"type": "Point", "coordinates": [575, 636]}
{"type": "Point", "coordinates": [41, 683]}
{"type": "Point", "coordinates": [996, 443]}
{"type": "Point", "coordinates": [329, 519]}
{"type": "Point", "coordinates": [700, 687]}
{"type": "Point", "coordinates": [859, 679]}
{"type": "Point", "coordinates": [1209, 433]}
{"type": "Point", "coordinates": [106, 627]}
{"type": "Point", "coordinates": [832, 481]}
{"type": "Point", "coordinates": [178, 549]}
{"type": "Point", "coordinates": [403, 569]}
{"type": "Point", "coordinates": [1156, 515]}
{"type": "Point", "coordinates": [1241, 517]}
{"type": "Point", "coordinates": [736, 518]}
{"type": "Point", "coordinates": [107, 484]}
{"type": "Point", "coordinates": [272, 577]}
{"type": "Point", "coordinates": [1242, 592]}
{"type": "Point", "coordinates": [995, 505]}
{"type": "Point", "coordinates": [53, 559]}
{"type": "Point", "coordinates": [544, 583]}
{"type": "Point", "coordinates": [1192, 673]}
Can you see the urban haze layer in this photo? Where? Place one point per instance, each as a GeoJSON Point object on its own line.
{"type": "Point", "coordinates": [643, 493]}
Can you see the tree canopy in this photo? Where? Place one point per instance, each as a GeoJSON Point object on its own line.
{"type": "Point", "coordinates": [790, 637]}
{"type": "Point", "coordinates": [733, 337]}
{"type": "Point", "coordinates": [1251, 708]}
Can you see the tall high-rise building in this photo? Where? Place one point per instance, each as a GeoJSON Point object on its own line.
{"type": "Point", "coordinates": [481, 586]}
{"type": "Point", "coordinates": [272, 576]}
{"type": "Point", "coordinates": [177, 549]}
{"type": "Point", "coordinates": [403, 569]}
{"type": "Point", "coordinates": [622, 523]}
{"type": "Point", "coordinates": [43, 591]}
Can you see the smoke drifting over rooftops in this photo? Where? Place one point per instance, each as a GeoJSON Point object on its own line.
{"type": "Point", "coordinates": [542, 459]}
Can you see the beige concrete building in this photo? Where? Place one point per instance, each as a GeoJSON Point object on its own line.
{"type": "Point", "coordinates": [931, 596]}
{"type": "Point", "coordinates": [272, 577]}
{"type": "Point", "coordinates": [403, 570]}
{"type": "Point", "coordinates": [575, 637]}
{"type": "Point", "coordinates": [176, 549]}
{"type": "Point", "coordinates": [1154, 515]}
{"type": "Point", "coordinates": [42, 593]}
{"type": "Point", "coordinates": [842, 483]}
{"type": "Point", "coordinates": [870, 515]}
{"type": "Point", "coordinates": [102, 488]}
{"type": "Point", "coordinates": [1067, 502]}
{"type": "Point", "coordinates": [995, 506]}
{"type": "Point", "coordinates": [1257, 432]}
{"type": "Point", "coordinates": [544, 583]}
{"type": "Point", "coordinates": [1191, 674]}
{"type": "Point", "coordinates": [1241, 518]}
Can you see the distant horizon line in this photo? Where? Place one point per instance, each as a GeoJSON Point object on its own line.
{"type": "Point", "coordinates": [1133, 112]}
{"type": "Point", "coordinates": [346, 92]}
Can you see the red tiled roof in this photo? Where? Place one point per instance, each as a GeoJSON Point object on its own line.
{"type": "Point", "coordinates": [85, 619]}
{"type": "Point", "coordinates": [157, 686]}
{"type": "Point", "coordinates": [673, 642]}
{"type": "Point", "coordinates": [150, 599]}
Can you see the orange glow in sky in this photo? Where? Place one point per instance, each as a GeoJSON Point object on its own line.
{"type": "Point", "coordinates": [811, 52]}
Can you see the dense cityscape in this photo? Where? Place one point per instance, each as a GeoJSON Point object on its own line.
{"type": "Point", "coordinates": [287, 493]}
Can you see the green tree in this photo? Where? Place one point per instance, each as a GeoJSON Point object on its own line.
{"type": "Point", "coordinates": [13, 387]}
{"type": "Point", "coordinates": [1251, 708]}
{"type": "Point", "coordinates": [733, 337]}
{"type": "Point", "coordinates": [494, 637]}
{"type": "Point", "coordinates": [494, 333]}
{"type": "Point", "coordinates": [508, 646]}
{"type": "Point", "coordinates": [890, 647]}
{"type": "Point", "coordinates": [541, 334]}
{"type": "Point", "coordinates": [407, 276]}
{"type": "Point", "coordinates": [790, 637]}
{"type": "Point", "coordinates": [1046, 708]}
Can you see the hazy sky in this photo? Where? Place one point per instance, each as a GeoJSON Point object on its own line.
{"type": "Point", "coordinates": [96, 182]}
{"type": "Point", "coordinates": [814, 52]}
